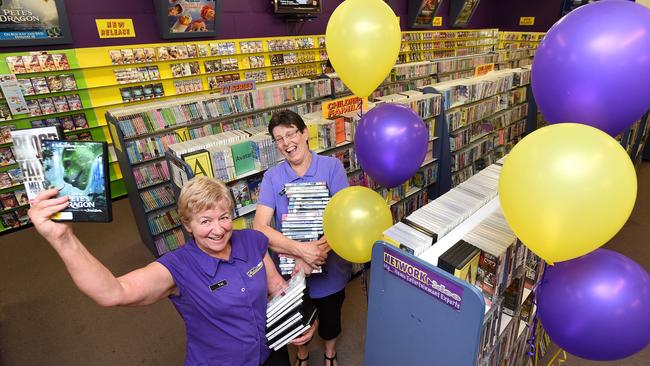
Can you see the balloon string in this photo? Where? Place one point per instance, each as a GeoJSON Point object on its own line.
{"type": "Point", "coordinates": [365, 282]}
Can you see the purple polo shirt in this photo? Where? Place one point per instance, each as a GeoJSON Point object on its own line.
{"type": "Point", "coordinates": [322, 169]}
{"type": "Point", "coordinates": [222, 302]}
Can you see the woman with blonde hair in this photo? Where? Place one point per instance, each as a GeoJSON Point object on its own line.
{"type": "Point", "coordinates": [218, 281]}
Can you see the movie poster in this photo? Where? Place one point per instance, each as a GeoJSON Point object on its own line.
{"type": "Point", "coordinates": [425, 13]}
{"type": "Point", "coordinates": [196, 16]}
{"type": "Point", "coordinates": [31, 20]}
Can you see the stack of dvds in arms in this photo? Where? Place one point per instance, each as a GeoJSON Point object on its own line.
{"type": "Point", "coordinates": [290, 313]}
{"type": "Point", "coordinates": [426, 226]}
{"type": "Point", "coordinates": [304, 220]}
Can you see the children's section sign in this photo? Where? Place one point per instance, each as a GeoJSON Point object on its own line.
{"type": "Point", "coordinates": [338, 107]}
{"type": "Point", "coordinates": [481, 70]}
{"type": "Point", "coordinates": [423, 278]}
{"type": "Point", "coordinates": [115, 28]}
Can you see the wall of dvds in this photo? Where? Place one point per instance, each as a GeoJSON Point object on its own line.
{"type": "Point", "coordinates": [74, 88]}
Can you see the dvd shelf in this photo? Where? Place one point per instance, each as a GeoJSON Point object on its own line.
{"type": "Point", "coordinates": [481, 114]}
{"type": "Point", "coordinates": [473, 243]}
{"type": "Point", "coordinates": [431, 45]}
{"type": "Point", "coordinates": [518, 40]}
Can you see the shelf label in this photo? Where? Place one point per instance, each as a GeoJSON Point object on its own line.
{"type": "Point", "coordinates": [437, 22]}
{"type": "Point", "coordinates": [338, 107]}
{"type": "Point", "coordinates": [426, 279]}
{"type": "Point", "coordinates": [200, 162]}
{"type": "Point", "coordinates": [115, 28]}
{"type": "Point", "coordinates": [236, 87]}
{"type": "Point", "coordinates": [526, 20]}
{"type": "Point", "coordinates": [483, 69]}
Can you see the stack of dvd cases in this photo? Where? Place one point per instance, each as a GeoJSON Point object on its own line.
{"type": "Point", "coordinates": [304, 220]}
{"type": "Point", "coordinates": [289, 313]}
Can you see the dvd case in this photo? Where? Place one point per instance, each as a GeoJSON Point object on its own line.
{"type": "Point", "coordinates": [28, 153]}
{"type": "Point", "coordinates": [79, 169]}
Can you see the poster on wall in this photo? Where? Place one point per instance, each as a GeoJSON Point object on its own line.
{"type": "Point", "coordinates": [422, 12]}
{"type": "Point", "coordinates": [33, 23]}
{"type": "Point", "coordinates": [188, 18]}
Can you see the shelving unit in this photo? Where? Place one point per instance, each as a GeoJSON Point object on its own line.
{"type": "Point", "coordinates": [432, 45]}
{"type": "Point", "coordinates": [485, 116]}
{"type": "Point", "coordinates": [518, 40]}
{"type": "Point", "coordinates": [448, 319]}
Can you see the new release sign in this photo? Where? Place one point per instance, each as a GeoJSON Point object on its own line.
{"type": "Point", "coordinates": [33, 22]}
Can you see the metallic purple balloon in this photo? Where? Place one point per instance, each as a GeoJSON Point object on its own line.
{"type": "Point", "coordinates": [593, 66]}
{"type": "Point", "coordinates": [391, 143]}
{"type": "Point", "coordinates": [596, 306]}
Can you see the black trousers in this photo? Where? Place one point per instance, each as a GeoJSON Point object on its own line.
{"type": "Point", "coordinates": [278, 358]}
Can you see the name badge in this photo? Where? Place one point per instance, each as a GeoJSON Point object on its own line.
{"type": "Point", "coordinates": [251, 272]}
{"type": "Point", "coordinates": [218, 285]}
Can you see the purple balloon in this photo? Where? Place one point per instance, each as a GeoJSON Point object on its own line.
{"type": "Point", "coordinates": [596, 306]}
{"type": "Point", "coordinates": [593, 66]}
{"type": "Point", "coordinates": [391, 143]}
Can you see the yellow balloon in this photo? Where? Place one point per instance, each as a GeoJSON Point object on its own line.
{"type": "Point", "coordinates": [353, 220]}
{"type": "Point", "coordinates": [566, 189]}
{"type": "Point", "coordinates": [363, 41]}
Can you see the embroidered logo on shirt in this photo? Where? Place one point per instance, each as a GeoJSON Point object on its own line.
{"type": "Point", "coordinates": [251, 272]}
{"type": "Point", "coordinates": [218, 285]}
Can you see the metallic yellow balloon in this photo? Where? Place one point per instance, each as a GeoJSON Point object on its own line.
{"type": "Point", "coordinates": [567, 189]}
{"type": "Point", "coordinates": [353, 220]}
{"type": "Point", "coordinates": [363, 41]}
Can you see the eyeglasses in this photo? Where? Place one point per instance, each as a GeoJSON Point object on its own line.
{"type": "Point", "coordinates": [289, 135]}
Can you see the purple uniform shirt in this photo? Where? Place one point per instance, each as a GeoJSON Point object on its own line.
{"type": "Point", "coordinates": [222, 302]}
{"type": "Point", "coordinates": [322, 169]}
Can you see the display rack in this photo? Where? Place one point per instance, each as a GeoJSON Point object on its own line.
{"type": "Point", "coordinates": [486, 321]}
{"type": "Point", "coordinates": [485, 116]}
